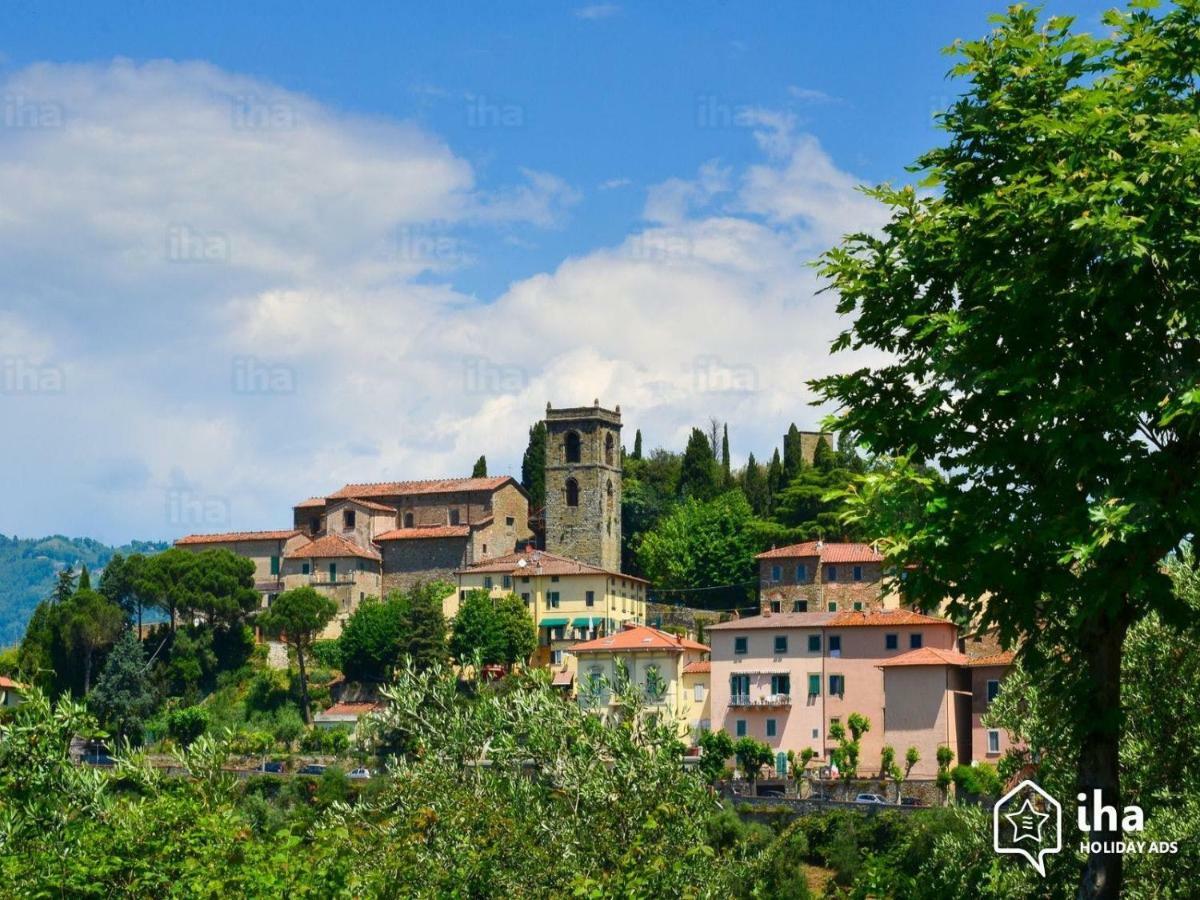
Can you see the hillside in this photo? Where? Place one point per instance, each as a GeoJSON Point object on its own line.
{"type": "Point", "coordinates": [29, 566]}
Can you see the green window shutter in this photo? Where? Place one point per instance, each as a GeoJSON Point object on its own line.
{"type": "Point", "coordinates": [814, 684]}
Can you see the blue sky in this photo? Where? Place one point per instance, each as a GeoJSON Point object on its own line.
{"type": "Point", "coordinates": [255, 250]}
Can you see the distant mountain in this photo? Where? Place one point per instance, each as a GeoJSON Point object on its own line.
{"type": "Point", "coordinates": [29, 567]}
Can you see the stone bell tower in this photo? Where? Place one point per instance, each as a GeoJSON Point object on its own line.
{"type": "Point", "coordinates": [583, 484]}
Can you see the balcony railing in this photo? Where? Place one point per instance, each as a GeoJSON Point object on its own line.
{"type": "Point", "coordinates": [766, 700]}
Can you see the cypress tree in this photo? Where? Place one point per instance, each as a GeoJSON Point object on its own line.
{"type": "Point", "coordinates": [480, 470]}
{"type": "Point", "coordinates": [533, 466]}
{"type": "Point", "coordinates": [725, 454]}
{"type": "Point", "coordinates": [637, 445]}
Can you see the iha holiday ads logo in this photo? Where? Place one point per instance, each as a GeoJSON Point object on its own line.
{"type": "Point", "coordinates": [1027, 822]}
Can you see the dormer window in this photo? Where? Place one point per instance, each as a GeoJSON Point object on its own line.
{"type": "Point", "coordinates": [347, 520]}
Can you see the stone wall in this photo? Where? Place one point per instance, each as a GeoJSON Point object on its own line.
{"type": "Point", "coordinates": [410, 561]}
{"type": "Point", "coordinates": [591, 530]}
{"type": "Point", "coordinates": [782, 595]}
{"type": "Point", "coordinates": [666, 616]}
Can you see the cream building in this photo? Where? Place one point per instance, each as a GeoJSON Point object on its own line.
{"type": "Point", "coordinates": [670, 672]}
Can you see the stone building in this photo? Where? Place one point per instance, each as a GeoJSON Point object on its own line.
{"type": "Point", "coordinates": [583, 484]}
{"type": "Point", "coordinates": [819, 577]}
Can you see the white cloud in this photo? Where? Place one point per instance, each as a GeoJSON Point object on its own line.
{"type": "Point", "coordinates": [598, 11]}
{"type": "Point", "coordinates": [810, 95]}
{"type": "Point", "coordinates": [252, 303]}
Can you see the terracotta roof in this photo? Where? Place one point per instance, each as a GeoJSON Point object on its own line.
{"type": "Point", "coordinates": [9, 685]}
{"type": "Point", "coordinates": [368, 504]}
{"type": "Point", "coordinates": [641, 637]}
{"type": "Point", "coordinates": [429, 486]}
{"type": "Point", "coordinates": [230, 536]}
{"type": "Point", "coordinates": [776, 620]}
{"type": "Point", "coordinates": [828, 553]}
{"type": "Point", "coordinates": [853, 619]}
{"type": "Point", "coordinates": [699, 667]}
{"type": "Point", "coordinates": [926, 656]}
{"type": "Point", "coordinates": [331, 546]}
{"type": "Point", "coordinates": [351, 709]}
{"type": "Point", "coordinates": [539, 562]}
{"type": "Point", "coordinates": [1004, 658]}
{"type": "Point", "coordinates": [311, 501]}
{"type": "Point", "coordinates": [563, 679]}
{"type": "Point", "coordinates": [428, 531]}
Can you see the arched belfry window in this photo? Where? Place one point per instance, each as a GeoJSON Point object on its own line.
{"type": "Point", "coordinates": [572, 492]}
{"type": "Point", "coordinates": [571, 446]}
{"type": "Point", "coordinates": [608, 450]}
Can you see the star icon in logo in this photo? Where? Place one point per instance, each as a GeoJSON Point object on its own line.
{"type": "Point", "coordinates": [1027, 822]}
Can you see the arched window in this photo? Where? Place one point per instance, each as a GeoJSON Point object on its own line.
{"type": "Point", "coordinates": [572, 492]}
{"type": "Point", "coordinates": [608, 450]}
{"type": "Point", "coordinates": [571, 446]}
{"type": "Point", "coordinates": [408, 520]}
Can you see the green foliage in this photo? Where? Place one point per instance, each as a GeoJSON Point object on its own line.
{"type": "Point", "coordinates": [123, 698]}
{"type": "Point", "coordinates": [752, 755]}
{"type": "Point", "coordinates": [978, 780]}
{"type": "Point", "coordinates": [533, 467]}
{"type": "Point", "coordinates": [699, 474]}
{"type": "Point", "coordinates": [1038, 316]}
{"type": "Point", "coordinates": [298, 616]}
{"type": "Point", "coordinates": [328, 653]}
{"type": "Point", "coordinates": [499, 630]}
{"type": "Point", "coordinates": [479, 470]}
{"type": "Point", "coordinates": [186, 724]}
{"type": "Point", "coordinates": [716, 748]}
{"type": "Point", "coordinates": [648, 493]}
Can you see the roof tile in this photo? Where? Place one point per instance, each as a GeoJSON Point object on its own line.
{"type": "Point", "coordinates": [642, 637]}
{"type": "Point", "coordinates": [926, 656]}
{"type": "Point", "coordinates": [231, 536]}
{"type": "Point", "coordinates": [331, 546]}
{"type": "Point", "coordinates": [429, 486]}
{"type": "Point", "coordinates": [828, 553]}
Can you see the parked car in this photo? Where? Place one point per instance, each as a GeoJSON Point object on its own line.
{"type": "Point", "coordinates": [271, 768]}
{"type": "Point", "coordinates": [312, 769]}
{"type": "Point", "coordinates": [98, 759]}
{"type": "Point", "coordinates": [912, 801]}
{"type": "Point", "coordinates": [873, 799]}
{"type": "Point", "coordinates": [360, 772]}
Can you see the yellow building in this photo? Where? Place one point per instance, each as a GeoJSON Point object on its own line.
{"type": "Point", "coordinates": [570, 601]}
{"type": "Point", "coordinates": [670, 672]}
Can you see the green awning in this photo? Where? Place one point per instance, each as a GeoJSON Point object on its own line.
{"type": "Point", "coordinates": [552, 622]}
{"type": "Point", "coordinates": [588, 621]}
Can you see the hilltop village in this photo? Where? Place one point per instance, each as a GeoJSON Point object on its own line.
{"type": "Point", "coordinates": [832, 637]}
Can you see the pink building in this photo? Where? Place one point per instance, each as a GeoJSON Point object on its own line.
{"type": "Point", "coordinates": [986, 674]}
{"type": "Point", "coordinates": [785, 678]}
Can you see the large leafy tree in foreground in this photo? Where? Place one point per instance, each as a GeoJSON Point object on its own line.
{"type": "Point", "coordinates": [1041, 311]}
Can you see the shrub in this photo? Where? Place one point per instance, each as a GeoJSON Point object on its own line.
{"type": "Point", "coordinates": [186, 724]}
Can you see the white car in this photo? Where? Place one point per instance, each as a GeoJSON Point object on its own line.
{"type": "Point", "coordinates": [870, 798]}
{"type": "Point", "coordinates": [360, 772]}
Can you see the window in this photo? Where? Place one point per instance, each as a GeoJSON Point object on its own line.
{"type": "Point", "coordinates": [552, 599]}
{"type": "Point", "coordinates": [347, 519]}
{"type": "Point", "coordinates": [835, 644]}
{"type": "Point", "coordinates": [775, 606]}
{"type": "Point", "coordinates": [776, 573]}
{"type": "Point", "coordinates": [816, 734]}
{"type": "Point", "coordinates": [608, 450]}
{"type": "Point", "coordinates": [314, 525]}
{"type": "Point", "coordinates": [524, 579]}
{"type": "Point", "coordinates": [485, 549]}
{"type": "Point", "coordinates": [814, 684]}
{"type": "Point", "coordinates": [831, 606]}
{"type": "Point", "coordinates": [858, 573]}
{"type": "Point", "coordinates": [699, 693]}
{"type": "Point", "coordinates": [914, 641]}
{"type": "Point", "coordinates": [802, 572]}
{"type": "Point", "coordinates": [770, 728]}
{"type": "Point", "coordinates": [993, 688]}
{"type": "Point", "coordinates": [556, 657]}
{"type": "Point", "coordinates": [506, 582]}
{"type": "Point", "coordinates": [799, 606]}
{"type": "Point", "coordinates": [510, 521]}
{"type": "Point", "coordinates": [739, 645]}
{"type": "Point", "coordinates": [837, 685]}
{"type": "Point", "coordinates": [408, 520]}
{"type": "Point", "coordinates": [525, 597]}
{"type": "Point", "coordinates": [303, 568]}
{"type": "Point", "coordinates": [487, 582]}
{"type": "Point", "coordinates": [831, 573]}
{"type": "Point", "coordinates": [572, 492]}
{"type": "Point", "coordinates": [454, 517]}
{"type": "Point", "coordinates": [571, 447]}
{"type": "Point", "coordinates": [610, 495]}
{"type": "Point", "coordinates": [590, 598]}
{"type": "Point", "coordinates": [274, 565]}
{"type": "Point", "coordinates": [780, 644]}
{"type": "Point", "coordinates": [858, 606]}
{"type": "Point", "coordinates": [740, 728]}
{"type": "Point", "coordinates": [891, 641]}
{"type": "Point", "coordinates": [333, 571]}
{"type": "Point", "coordinates": [554, 579]}
{"type": "Point", "coordinates": [739, 688]}
{"type": "Point", "coordinates": [993, 741]}
{"type": "Point", "coordinates": [781, 684]}
{"type": "Point", "coordinates": [814, 643]}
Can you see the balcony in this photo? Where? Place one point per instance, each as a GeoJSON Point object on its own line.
{"type": "Point", "coordinates": [764, 702]}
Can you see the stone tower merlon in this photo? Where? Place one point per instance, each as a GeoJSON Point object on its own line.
{"type": "Point", "coordinates": [583, 484]}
